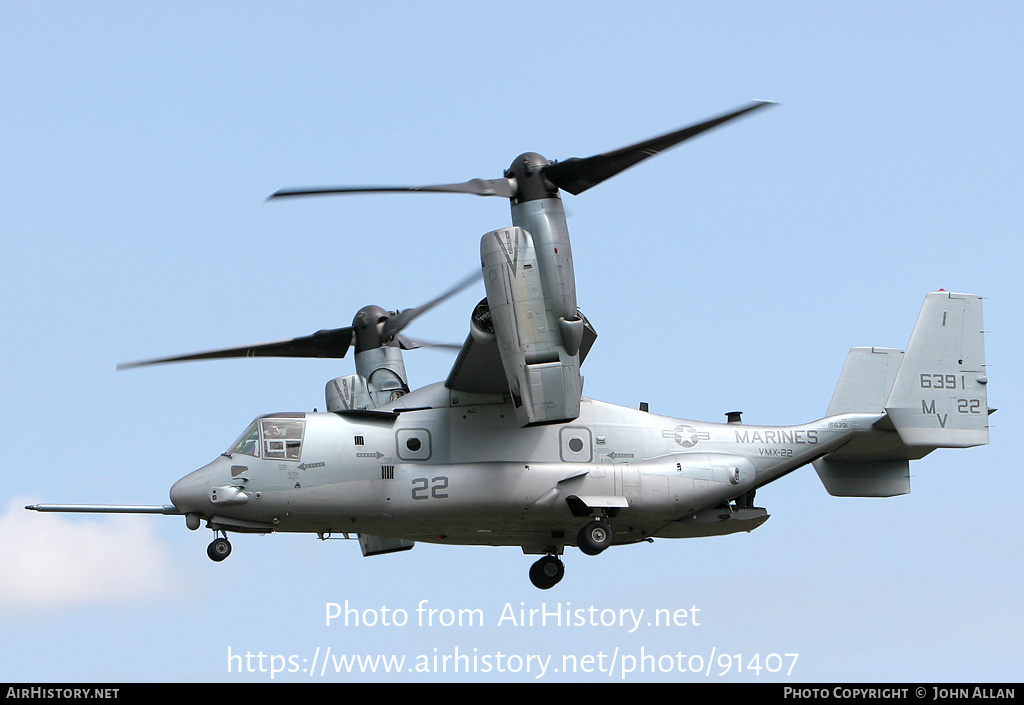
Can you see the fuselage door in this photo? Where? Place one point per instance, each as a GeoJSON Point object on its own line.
{"type": "Point", "coordinates": [627, 483]}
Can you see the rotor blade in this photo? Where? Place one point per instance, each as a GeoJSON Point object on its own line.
{"type": "Point", "coordinates": [407, 343]}
{"type": "Point", "coordinates": [479, 187]}
{"type": "Point", "coordinates": [576, 175]}
{"type": "Point", "coordinates": [324, 344]}
{"type": "Point", "coordinates": [403, 318]}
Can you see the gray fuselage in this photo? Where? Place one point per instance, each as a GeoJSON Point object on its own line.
{"type": "Point", "coordinates": [446, 471]}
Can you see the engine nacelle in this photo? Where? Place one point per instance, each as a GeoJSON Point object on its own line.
{"type": "Point", "coordinates": [380, 380]}
{"type": "Point", "coordinates": [539, 350]}
{"type": "Point", "coordinates": [347, 393]}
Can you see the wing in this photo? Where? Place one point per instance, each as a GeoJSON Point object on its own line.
{"type": "Point", "coordinates": [478, 368]}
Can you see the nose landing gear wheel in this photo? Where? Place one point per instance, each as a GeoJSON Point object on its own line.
{"type": "Point", "coordinates": [218, 550]}
{"type": "Point", "coordinates": [546, 572]}
{"type": "Point", "coordinates": [594, 538]}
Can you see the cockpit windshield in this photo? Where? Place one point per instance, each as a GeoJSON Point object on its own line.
{"type": "Point", "coordinates": [273, 439]}
{"type": "Point", "coordinates": [249, 442]}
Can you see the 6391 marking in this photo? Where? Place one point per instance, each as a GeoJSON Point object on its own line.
{"type": "Point", "coordinates": [937, 380]}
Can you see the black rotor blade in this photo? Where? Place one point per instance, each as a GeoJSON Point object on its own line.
{"type": "Point", "coordinates": [576, 175]}
{"type": "Point", "coordinates": [479, 187]}
{"type": "Point", "coordinates": [407, 343]}
{"type": "Point", "coordinates": [403, 318]}
{"type": "Point", "coordinates": [323, 344]}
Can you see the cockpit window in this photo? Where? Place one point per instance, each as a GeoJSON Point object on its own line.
{"type": "Point", "coordinates": [249, 442]}
{"type": "Point", "coordinates": [281, 439]}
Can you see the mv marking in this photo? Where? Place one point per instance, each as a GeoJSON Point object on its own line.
{"type": "Point", "coordinates": [939, 380]}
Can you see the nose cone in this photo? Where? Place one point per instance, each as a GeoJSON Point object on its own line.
{"type": "Point", "coordinates": [191, 494]}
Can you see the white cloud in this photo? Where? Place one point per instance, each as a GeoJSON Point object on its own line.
{"type": "Point", "coordinates": [54, 561]}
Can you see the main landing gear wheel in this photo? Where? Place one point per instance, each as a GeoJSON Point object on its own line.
{"type": "Point", "coordinates": [546, 572]}
{"type": "Point", "coordinates": [219, 549]}
{"type": "Point", "coordinates": [594, 537]}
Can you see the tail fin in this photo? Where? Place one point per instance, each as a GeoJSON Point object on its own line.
{"type": "Point", "coordinates": [866, 381]}
{"type": "Point", "coordinates": [933, 396]}
{"type": "Point", "coordinates": [939, 398]}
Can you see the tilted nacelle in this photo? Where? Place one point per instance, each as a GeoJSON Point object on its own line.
{"type": "Point", "coordinates": [348, 393]}
{"type": "Point", "coordinates": [539, 344]}
{"type": "Point", "coordinates": [381, 378]}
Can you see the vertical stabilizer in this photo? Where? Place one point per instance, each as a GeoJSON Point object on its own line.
{"type": "Point", "coordinates": [939, 398]}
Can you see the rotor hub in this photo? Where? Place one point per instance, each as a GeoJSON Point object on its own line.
{"type": "Point", "coordinates": [366, 325]}
{"type": "Point", "coordinates": [531, 184]}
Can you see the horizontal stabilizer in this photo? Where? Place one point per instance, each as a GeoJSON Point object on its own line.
{"type": "Point", "coordinates": [873, 479]}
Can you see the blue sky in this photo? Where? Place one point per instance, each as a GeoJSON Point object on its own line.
{"type": "Point", "coordinates": [141, 139]}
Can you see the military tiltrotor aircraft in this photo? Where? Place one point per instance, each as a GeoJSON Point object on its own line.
{"type": "Point", "coordinates": [508, 452]}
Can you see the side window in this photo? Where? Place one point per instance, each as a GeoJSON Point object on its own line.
{"type": "Point", "coordinates": [576, 444]}
{"type": "Point", "coordinates": [413, 443]}
{"type": "Point", "coordinates": [282, 440]}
